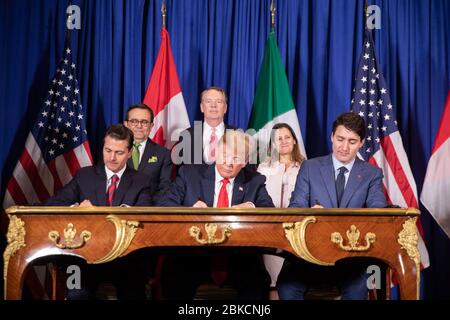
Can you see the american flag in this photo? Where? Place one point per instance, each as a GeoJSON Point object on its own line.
{"type": "Point", "coordinates": [57, 145]}
{"type": "Point", "coordinates": [383, 145]}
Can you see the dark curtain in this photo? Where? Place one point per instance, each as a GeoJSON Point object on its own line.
{"type": "Point", "coordinates": [221, 42]}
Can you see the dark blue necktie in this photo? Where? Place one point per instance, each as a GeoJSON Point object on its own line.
{"type": "Point", "coordinates": [340, 184]}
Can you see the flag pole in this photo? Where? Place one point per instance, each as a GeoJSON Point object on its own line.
{"type": "Point", "coordinates": [69, 15]}
{"type": "Point", "coordinates": [272, 15]}
{"type": "Point", "coordinates": [366, 14]}
{"type": "Point", "coordinates": [163, 12]}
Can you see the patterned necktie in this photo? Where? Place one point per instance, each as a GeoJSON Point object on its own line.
{"type": "Point", "coordinates": [340, 184]}
{"type": "Point", "coordinates": [212, 145]}
{"type": "Point", "coordinates": [219, 262]}
{"type": "Point", "coordinates": [111, 190]}
{"type": "Point", "coordinates": [135, 155]}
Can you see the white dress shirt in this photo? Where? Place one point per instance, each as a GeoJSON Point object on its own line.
{"type": "Point", "coordinates": [109, 175]}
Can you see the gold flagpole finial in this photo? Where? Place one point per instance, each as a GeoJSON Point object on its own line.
{"type": "Point", "coordinates": [163, 12]}
{"type": "Point", "coordinates": [272, 15]}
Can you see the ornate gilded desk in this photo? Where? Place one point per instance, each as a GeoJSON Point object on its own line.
{"type": "Point", "coordinates": [320, 236]}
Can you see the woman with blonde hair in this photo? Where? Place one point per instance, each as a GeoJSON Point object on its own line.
{"type": "Point", "coordinates": [281, 169]}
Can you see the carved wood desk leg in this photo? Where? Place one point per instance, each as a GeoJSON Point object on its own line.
{"type": "Point", "coordinates": [409, 261]}
{"type": "Point", "coordinates": [14, 278]}
{"type": "Point", "coordinates": [13, 263]}
{"type": "Point", "coordinates": [409, 279]}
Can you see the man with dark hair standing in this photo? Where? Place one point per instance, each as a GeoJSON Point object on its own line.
{"type": "Point", "coordinates": [338, 180]}
{"type": "Point", "coordinates": [148, 157]}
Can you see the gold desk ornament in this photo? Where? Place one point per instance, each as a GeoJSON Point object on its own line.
{"type": "Point", "coordinates": [296, 234]}
{"type": "Point", "coordinates": [16, 240]}
{"type": "Point", "coordinates": [409, 240]}
{"type": "Point", "coordinates": [69, 235]}
{"type": "Point", "coordinates": [211, 229]}
{"type": "Point", "coordinates": [353, 237]}
{"type": "Point", "coordinates": [125, 233]}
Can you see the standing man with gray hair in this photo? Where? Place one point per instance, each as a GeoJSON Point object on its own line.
{"type": "Point", "coordinates": [198, 144]}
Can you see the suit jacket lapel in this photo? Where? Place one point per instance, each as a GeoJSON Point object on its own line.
{"type": "Point", "coordinates": [124, 185]}
{"type": "Point", "coordinates": [355, 178]}
{"type": "Point", "coordinates": [146, 155]}
{"type": "Point", "coordinates": [100, 184]}
{"type": "Point", "coordinates": [207, 185]}
{"type": "Point", "coordinates": [238, 189]}
{"type": "Point", "coordinates": [327, 172]}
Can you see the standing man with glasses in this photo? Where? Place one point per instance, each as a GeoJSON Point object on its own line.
{"type": "Point", "coordinates": [148, 157]}
{"type": "Point", "coordinates": [338, 180]}
{"type": "Point", "coordinates": [202, 146]}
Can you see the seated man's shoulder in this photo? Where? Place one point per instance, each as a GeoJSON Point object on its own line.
{"type": "Point", "coordinates": [86, 172]}
{"type": "Point", "coordinates": [317, 161]}
{"type": "Point", "coordinates": [252, 175]}
{"type": "Point", "coordinates": [159, 149]}
{"type": "Point", "coordinates": [369, 168]}
{"type": "Point", "coordinates": [192, 170]}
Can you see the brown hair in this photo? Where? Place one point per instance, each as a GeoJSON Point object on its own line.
{"type": "Point", "coordinates": [351, 121]}
{"type": "Point", "coordinates": [120, 132]}
{"type": "Point", "coordinates": [141, 106]}
{"type": "Point", "coordinates": [296, 154]}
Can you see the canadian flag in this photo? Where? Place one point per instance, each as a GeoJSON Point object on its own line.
{"type": "Point", "coordinates": [165, 98]}
{"type": "Point", "coordinates": [436, 187]}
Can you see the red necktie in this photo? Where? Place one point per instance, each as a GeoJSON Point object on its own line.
{"type": "Point", "coordinates": [111, 190]}
{"type": "Point", "coordinates": [222, 201]}
{"type": "Point", "coordinates": [219, 262]}
{"type": "Point", "coordinates": [212, 145]}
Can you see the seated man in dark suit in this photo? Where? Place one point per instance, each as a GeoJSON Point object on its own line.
{"type": "Point", "coordinates": [223, 184]}
{"type": "Point", "coordinates": [339, 180]}
{"type": "Point", "coordinates": [111, 183]}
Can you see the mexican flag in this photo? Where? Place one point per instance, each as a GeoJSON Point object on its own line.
{"type": "Point", "coordinates": [273, 101]}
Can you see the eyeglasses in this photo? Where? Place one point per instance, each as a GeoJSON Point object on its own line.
{"type": "Point", "coordinates": [136, 122]}
{"type": "Point", "coordinates": [218, 102]}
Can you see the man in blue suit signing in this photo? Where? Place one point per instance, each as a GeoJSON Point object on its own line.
{"type": "Point", "coordinates": [225, 183]}
{"type": "Point", "coordinates": [338, 180]}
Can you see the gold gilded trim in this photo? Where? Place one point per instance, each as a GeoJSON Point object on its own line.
{"type": "Point", "coordinates": [125, 233]}
{"type": "Point", "coordinates": [295, 233]}
{"type": "Point", "coordinates": [16, 240]}
{"type": "Point", "coordinates": [69, 235]}
{"type": "Point", "coordinates": [409, 240]}
{"type": "Point", "coordinates": [353, 238]}
{"type": "Point", "coordinates": [211, 229]}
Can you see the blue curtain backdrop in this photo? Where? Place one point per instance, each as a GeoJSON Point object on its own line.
{"type": "Point", "coordinates": [221, 42]}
